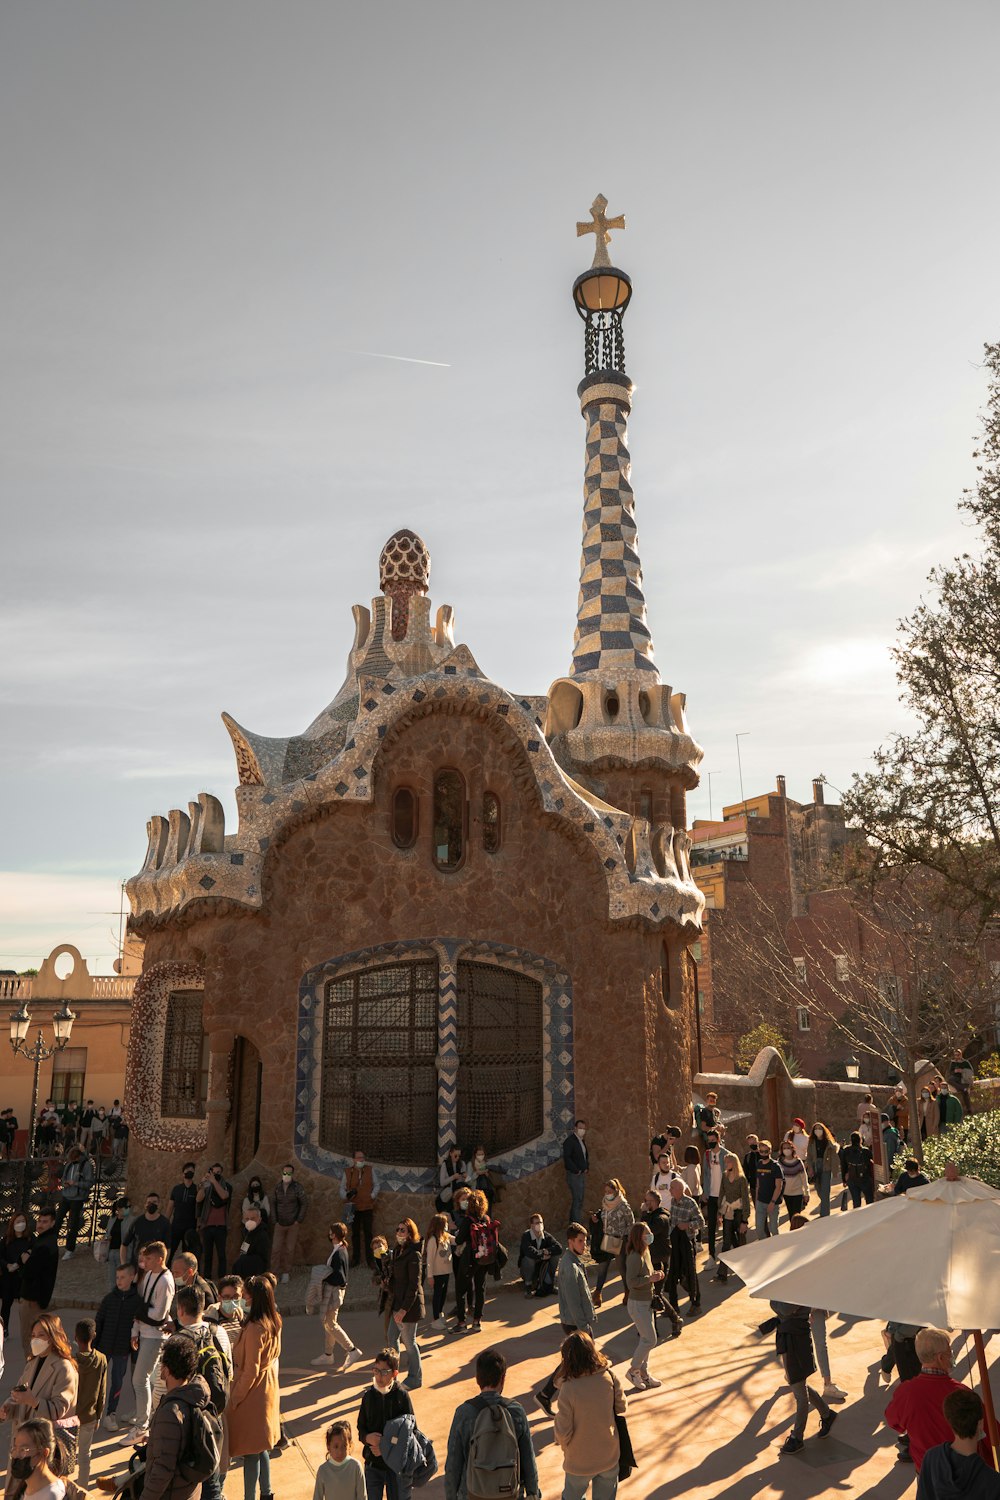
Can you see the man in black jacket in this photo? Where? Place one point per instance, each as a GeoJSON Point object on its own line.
{"type": "Point", "coordinates": [38, 1279]}
{"type": "Point", "coordinates": [793, 1343]}
{"type": "Point", "coordinates": [576, 1160]}
{"type": "Point", "coordinates": [383, 1401]}
{"type": "Point", "coordinates": [115, 1316]}
{"type": "Point", "coordinates": [537, 1258]}
{"type": "Point", "coordinates": [857, 1169]}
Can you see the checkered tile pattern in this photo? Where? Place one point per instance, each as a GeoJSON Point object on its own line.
{"type": "Point", "coordinates": [612, 639]}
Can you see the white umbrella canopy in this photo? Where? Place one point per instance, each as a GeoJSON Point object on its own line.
{"type": "Point", "coordinates": [930, 1256]}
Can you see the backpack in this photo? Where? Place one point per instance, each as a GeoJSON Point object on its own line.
{"type": "Point", "coordinates": [484, 1237]}
{"type": "Point", "coordinates": [201, 1444]}
{"type": "Point", "coordinates": [212, 1367]}
{"type": "Point", "coordinates": [493, 1470]}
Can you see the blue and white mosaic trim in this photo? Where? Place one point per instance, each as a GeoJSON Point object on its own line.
{"type": "Point", "coordinates": [557, 1073]}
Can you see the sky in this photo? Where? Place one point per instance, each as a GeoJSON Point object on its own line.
{"type": "Point", "coordinates": [282, 279]}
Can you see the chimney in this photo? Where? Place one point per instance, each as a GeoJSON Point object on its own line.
{"type": "Point", "coordinates": [782, 791]}
{"type": "Point", "coordinates": [818, 793]}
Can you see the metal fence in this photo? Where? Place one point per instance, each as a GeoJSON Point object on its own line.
{"type": "Point", "coordinates": [29, 1183]}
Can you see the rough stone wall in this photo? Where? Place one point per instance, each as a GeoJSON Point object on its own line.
{"type": "Point", "coordinates": [339, 884]}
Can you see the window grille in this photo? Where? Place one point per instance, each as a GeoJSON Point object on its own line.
{"type": "Point", "coordinates": [379, 1083]}
{"type": "Point", "coordinates": [804, 1018]}
{"type": "Point", "coordinates": [449, 820]}
{"type": "Point", "coordinates": [800, 970]}
{"type": "Point", "coordinates": [499, 1091]}
{"type": "Point", "coordinates": [184, 1092]}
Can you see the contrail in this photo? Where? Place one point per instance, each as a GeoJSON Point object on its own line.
{"type": "Point", "coordinates": [406, 358]}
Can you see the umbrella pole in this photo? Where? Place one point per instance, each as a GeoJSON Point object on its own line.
{"type": "Point", "coordinates": [984, 1380]}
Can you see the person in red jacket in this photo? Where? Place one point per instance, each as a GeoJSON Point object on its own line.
{"type": "Point", "coordinates": [916, 1407]}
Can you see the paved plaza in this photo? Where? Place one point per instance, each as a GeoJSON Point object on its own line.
{"type": "Point", "coordinates": [712, 1429]}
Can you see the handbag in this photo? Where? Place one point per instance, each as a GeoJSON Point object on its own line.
{"type": "Point", "coordinates": [626, 1455]}
{"type": "Point", "coordinates": [282, 1442]}
{"type": "Point", "coordinates": [611, 1244]}
{"type": "Point", "coordinates": [102, 1248]}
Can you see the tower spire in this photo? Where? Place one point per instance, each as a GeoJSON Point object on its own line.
{"type": "Point", "coordinates": [612, 639]}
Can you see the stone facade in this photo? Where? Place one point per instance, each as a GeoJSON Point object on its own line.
{"type": "Point", "coordinates": [502, 880]}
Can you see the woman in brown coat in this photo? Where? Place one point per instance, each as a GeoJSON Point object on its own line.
{"type": "Point", "coordinates": [48, 1387]}
{"type": "Point", "coordinates": [253, 1411]}
{"type": "Point", "coordinates": [590, 1398]}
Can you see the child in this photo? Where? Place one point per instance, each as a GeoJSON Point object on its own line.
{"type": "Point", "coordinates": [115, 1316]}
{"type": "Point", "coordinates": [957, 1468]}
{"type": "Point", "coordinates": [380, 1278]}
{"type": "Point", "coordinates": [341, 1476]}
{"type": "Point", "coordinates": [438, 1248]}
{"type": "Point", "coordinates": [91, 1393]}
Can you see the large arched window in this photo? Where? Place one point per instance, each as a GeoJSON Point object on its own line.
{"type": "Point", "coordinates": [379, 1080]}
{"type": "Point", "coordinates": [184, 1086]}
{"type": "Point", "coordinates": [449, 819]}
{"type": "Point", "coordinates": [404, 817]}
{"type": "Point", "coordinates": [500, 1094]}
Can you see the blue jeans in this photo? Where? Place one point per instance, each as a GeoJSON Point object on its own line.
{"type": "Point", "coordinates": [256, 1466]}
{"type": "Point", "coordinates": [604, 1486]}
{"type": "Point", "coordinates": [577, 1184]}
{"type": "Point", "coordinates": [766, 1218]}
{"type": "Point", "coordinates": [379, 1482]}
{"type": "Point", "coordinates": [822, 1184]}
{"type": "Point", "coordinates": [118, 1365]}
{"type": "Point", "coordinates": [406, 1334]}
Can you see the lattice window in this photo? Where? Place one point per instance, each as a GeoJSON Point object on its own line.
{"type": "Point", "coordinates": [379, 1083]}
{"type": "Point", "coordinates": [185, 1058]}
{"type": "Point", "coordinates": [499, 1091]}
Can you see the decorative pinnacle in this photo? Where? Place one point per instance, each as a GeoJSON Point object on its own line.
{"type": "Point", "coordinates": [600, 229]}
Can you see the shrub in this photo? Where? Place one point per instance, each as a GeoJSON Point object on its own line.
{"type": "Point", "coordinates": [974, 1147]}
{"type": "Point", "coordinates": [764, 1034]}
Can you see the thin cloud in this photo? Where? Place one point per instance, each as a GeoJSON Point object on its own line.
{"type": "Point", "coordinates": [406, 359]}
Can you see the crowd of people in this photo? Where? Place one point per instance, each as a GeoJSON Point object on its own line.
{"type": "Point", "coordinates": [199, 1342]}
{"type": "Point", "coordinates": [97, 1129]}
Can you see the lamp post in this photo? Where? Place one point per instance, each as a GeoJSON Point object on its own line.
{"type": "Point", "coordinates": [20, 1022]}
{"type": "Point", "coordinates": [853, 1069]}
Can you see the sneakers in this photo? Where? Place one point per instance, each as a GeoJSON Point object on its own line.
{"type": "Point", "coordinates": [792, 1444]}
{"type": "Point", "coordinates": [597, 1299]}
{"type": "Point", "coordinates": [322, 1359]}
{"type": "Point", "coordinates": [460, 1327]}
{"type": "Point", "coordinates": [545, 1402]}
{"type": "Point", "coordinates": [637, 1379]}
{"type": "Point", "coordinates": [354, 1357]}
{"type": "Point", "coordinates": [111, 1422]}
{"type": "Point", "coordinates": [134, 1438]}
{"type": "Point", "coordinates": [439, 1324]}
{"type": "Point", "coordinates": [834, 1393]}
{"type": "Point", "coordinates": [477, 1327]}
{"type": "Point", "coordinates": [284, 1275]}
{"type": "Point", "coordinates": [68, 1255]}
{"type": "Point", "coordinates": [652, 1383]}
{"type": "Point", "coordinates": [826, 1423]}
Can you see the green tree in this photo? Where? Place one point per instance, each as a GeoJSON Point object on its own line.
{"type": "Point", "coordinates": [764, 1034]}
{"type": "Point", "coordinates": [933, 799]}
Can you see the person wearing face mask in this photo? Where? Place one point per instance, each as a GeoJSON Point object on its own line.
{"type": "Point", "coordinates": [184, 1269]}
{"type": "Point", "coordinates": [482, 1176]}
{"type": "Point", "coordinates": [796, 1186]}
{"type": "Point", "coordinates": [38, 1464]}
{"type": "Point", "coordinates": [38, 1278]}
{"type": "Point", "coordinates": [612, 1225]}
{"type": "Point", "coordinates": [770, 1185]}
{"type": "Point", "coordinates": [334, 1292]}
{"type": "Point", "coordinates": [452, 1175]}
{"type": "Point", "coordinates": [340, 1477]}
{"type": "Point", "coordinates": [735, 1203]}
{"type": "Point", "coordinates": [439, 1247]}
{"type": "Point", "coordinates": [461, 1261]}
{"type": "Point", "coordinates": [214, 1198]}
{"type": "Point", "coordinates": [49, 1385]}
{"type": "Point", "coordinates": [254, 1405]}
{"type": "Point", "coordinates": [383, 1401]}
{"type": "Point", "coordinates": [120, 1252]}
{"type": "Point", "coordinates": [576, 1161]}
{"type": "Point", "coordinates": [151, 1227]}
{"type": "Point", "coordinates": [928, 1112]}
{"type": "Point", "coordinates": [289, 1211]}
{"type": "Point", "coordinates": [820, 1157]}
{"type": "Point", "coordinates": [99, 1131]}
{"type": "Point", "coordinates": [255, 1197]}
{"type": "Point", "coordinates": [359, 1188]}
{"type": "Point", "coordinates": [228, 1313]}
{"type": "Point", "coordinates": [406, 1298]}
{"type": "Point", "coordinates": [255, 1247]}
{"type": "Point", "coordinates": [16, 1241]}
{"type": "Point", "coordinates": [77, 1181]}
{"type": "Point", "coordinates": [537, 1258]}
{"type": "Point", "coordinates": [182, 1207]}
{"type": "Point", "coordinates": [640, 1279]}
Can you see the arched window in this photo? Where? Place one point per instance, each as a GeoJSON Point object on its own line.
{"type": "Point", "coordinates": [404, 817]}
{"type": "Point", "coordinates": [184, 1080]}
{"type": "Point", "coordinates": [491, 822]}
{"type": "Point", "coordinates": [500, 1084]}
{"type": "Point", "coordinates": [379, 1079]}
{"type": "Point", "coordinates": [449, 820]}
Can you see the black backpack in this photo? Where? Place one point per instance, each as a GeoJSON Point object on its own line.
{"type": "Point", "coordinates": [201, 1444]}
{"type": "Point", "coordinates": [212, 1367]}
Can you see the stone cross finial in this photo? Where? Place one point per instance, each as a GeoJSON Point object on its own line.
{"type": "Point", "coordinates": [600, 229]}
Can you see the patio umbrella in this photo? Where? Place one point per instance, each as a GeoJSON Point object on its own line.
{"type": "Point", "coordinates": [929, 1256]}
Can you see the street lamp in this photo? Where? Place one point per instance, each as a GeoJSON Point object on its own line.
{"type": "Point", "coordinates": [853, 1069]}
{"type": "Point", "coordinates": [20, 1022]}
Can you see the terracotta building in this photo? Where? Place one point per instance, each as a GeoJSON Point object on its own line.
{"type": "Point", "coordinates": [449, 911]}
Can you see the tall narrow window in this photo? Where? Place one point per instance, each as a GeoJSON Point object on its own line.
{"type": "Point", "coordinates": [449, 820]}
{"type": "Point", "coordinates": [184, 1091]}
{"type": "Point", "coordinates": [379, 1081]}
{"type": "Point", "coordinates": [491, 822]}
{"type": "Point", "coordinates": [404, 817]}
{"type": "Point", "coordinates": [500, 1080]}
{"type": "Point", "coordinates": [69, 1072]}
